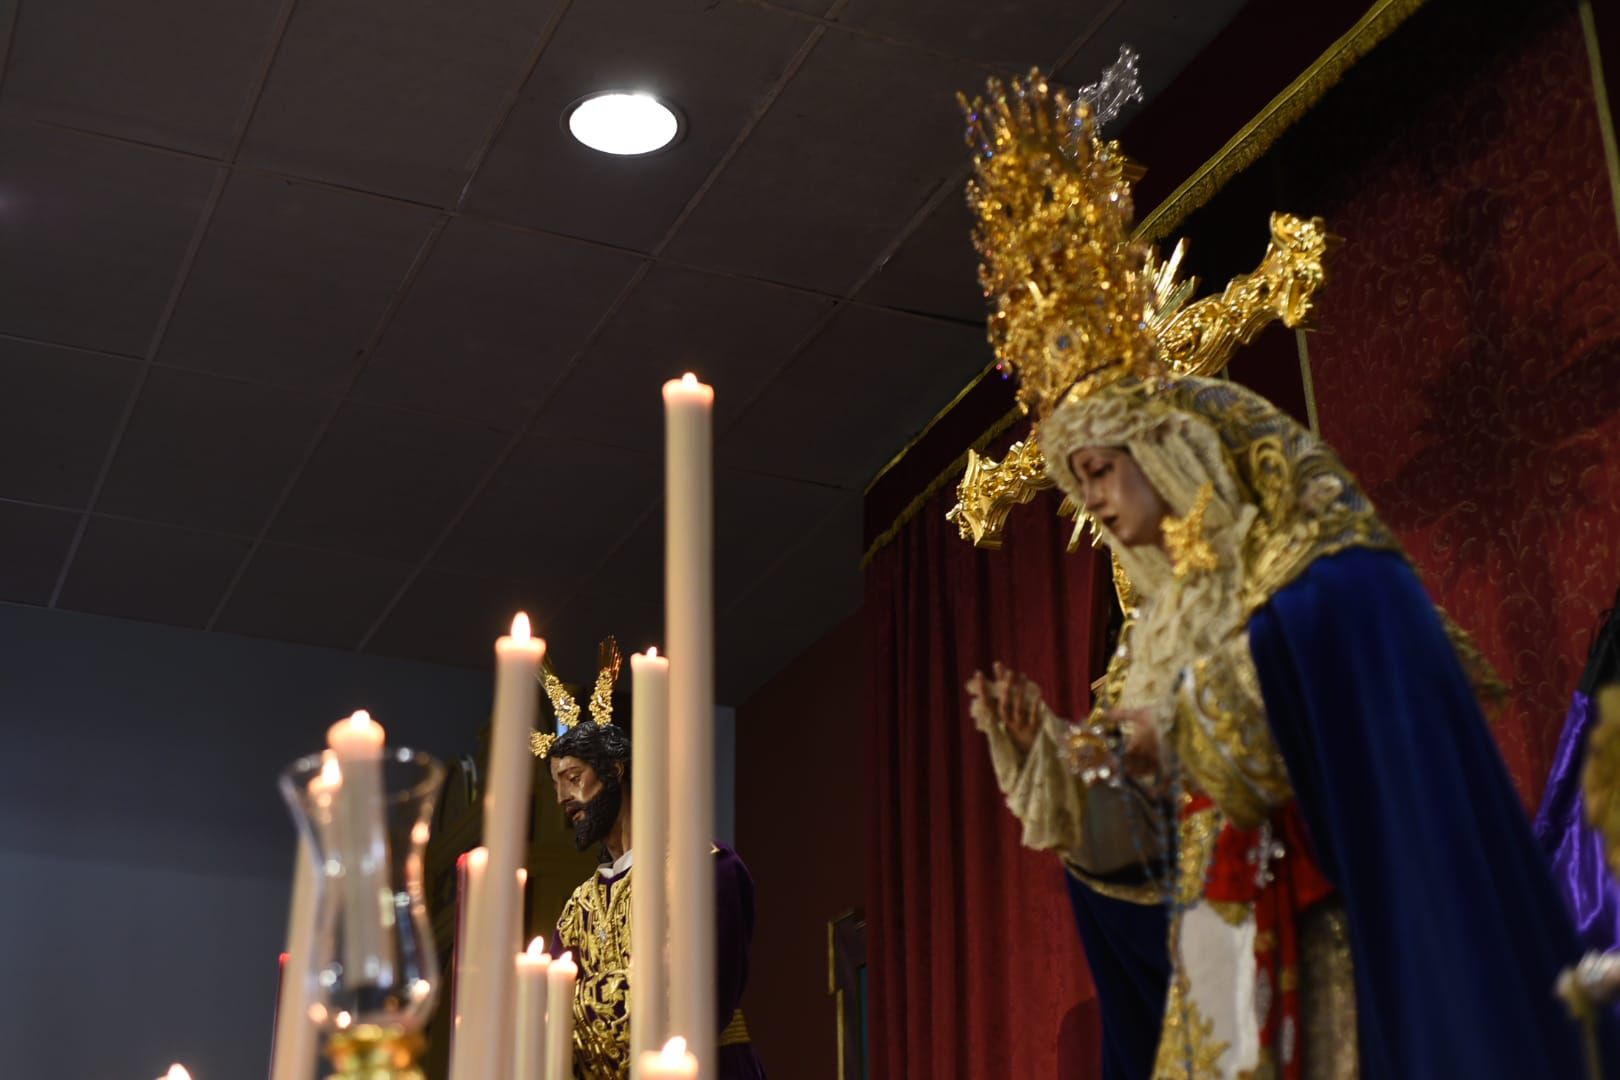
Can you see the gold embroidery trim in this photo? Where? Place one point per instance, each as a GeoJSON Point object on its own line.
{"type": "Point", "coordinates": [736, 1032]}
{"type": "Point", "coordinates": [1193, 854]}
{"type": "Point", "coordinates": [1222, 738]}
{"type": "Point", "coordinates": [1184, 540]}
{"type": "Point", "coordinates": [1188, 1049]}
{"type": "Point", "coordinates": [595, 925]}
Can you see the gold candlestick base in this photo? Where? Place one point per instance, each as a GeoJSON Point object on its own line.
{"type": "Point", "coordinates": [369, 1052]}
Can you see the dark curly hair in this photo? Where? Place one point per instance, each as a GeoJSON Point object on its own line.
{"type": "Point", "coordinates": [601, 746]}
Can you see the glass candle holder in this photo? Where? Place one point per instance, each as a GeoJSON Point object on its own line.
{"type": "Point", "coordinates": [371, 974]}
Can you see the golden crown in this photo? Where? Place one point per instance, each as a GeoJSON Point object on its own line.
{"type": "Point", "coordinates": [1068, 289]}
{"type": "Point", "coordinates": [565, 708]}
{"type": "Point", "coordinates": [1077, 303]}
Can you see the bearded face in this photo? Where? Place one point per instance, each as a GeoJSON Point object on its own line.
{"type": "Point", "coordinates": [590, 801]}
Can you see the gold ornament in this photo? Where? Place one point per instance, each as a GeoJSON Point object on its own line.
{"type": "Point", "coordinates": [369, 1052]}
{"type": "Point", "coordinates": [608, 662]}
{"type": "Point", "coordinates": [1190, 553]}
{"type": "Point", "coordinates": [563, 704]}
{"type": "Point", "coordinates": [1076, 303]}
{"type": "Point", "coordinates": [1068, 294]}
{"type": "Point", "coordinates": [990, 489]}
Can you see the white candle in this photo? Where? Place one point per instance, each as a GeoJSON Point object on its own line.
{"type": "Point", "coordinates": [362, 834]}
{"type": "Point", "coordinates": [529, 1056]}
{"type": "Point", "coordinates": [649, 833]}
{"type": "Point", "coordinates": [689, 611]}
{"type": "Point", "coordinates": [490, 974]}
{"type": "Point", "coordinates": [670, 1063]}
{"type": "Point", "coordinates": [294, 1056]}
{"type": "Point", "coordinates": [465, 1057]}
{"type": "Point", "coordinates": [509, 1019]}
{"type": "Point", "coordinates": [560, 978]}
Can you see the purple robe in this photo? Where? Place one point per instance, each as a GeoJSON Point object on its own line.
{"type": "Point", "coordinates": [1573, 845]}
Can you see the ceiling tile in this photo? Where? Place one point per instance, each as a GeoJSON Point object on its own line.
{"type": "Point", "coordinates": [805, 7]}
{"type": "Point", "coordinates": [313, 597]}
{"type": "Point", "coordinates": [8, 19]}
{"type": "Point", "coordinates": [95, 233]}
{"type": "Point", "coordinates": [736, 333]}
{"type": "Point", "coordinates": [715, 61]}
{"type": "Point", "coordinates": [491, 322]}
{"type": "Point", "coordinates": [141, 571]}
{"type": "Point", "coordinates": [454, 618]}
{"type": "Point", "coordinates": [33, 543]}
{"type": "Point", "coordinates": [57, 416]}
{"type": "Point", "coordinates": [552, 511]}
{"type": "Point", "coordinates": [384, 484]}
{"type": "Point", "coordinates": [819, 580]}
{"type": "Point", "coordinates": [291, 281]}
{"type": "Point", "coordinates": [208, 453]}
{"type": "Point", "coordinates": [624, 596]}
{"type": "Point", "coordinates": [393, 96]}
{"type": "Point", "coordinates": [852, 399]}
{"type": "Point", "coordinates": [1014, 34]}
{"type": "Point", "coordinates": [1169, 35]}
{"type": "Point", "coordinates": [849, 152]}
{"type": "Point", "coordinates": [758, 521]}
{"type": "Point", "coordinates": [178, 74]}
{"type": "Point", "coordinates": [936, 269]}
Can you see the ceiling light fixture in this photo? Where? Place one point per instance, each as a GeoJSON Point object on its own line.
{"type": "Point", "coordinates": [623, 122]}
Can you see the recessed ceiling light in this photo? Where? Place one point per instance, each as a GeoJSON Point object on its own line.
{"type": "Point", "coordinates": [623, 122]}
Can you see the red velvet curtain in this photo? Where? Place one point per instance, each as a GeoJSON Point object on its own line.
{"type": "Point", "coordinates": [975, 964]}
{"type": "Point", "coordinates": [1468, 363]}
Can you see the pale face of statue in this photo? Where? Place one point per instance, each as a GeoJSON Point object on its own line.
{"type": "Point", "coordinates": [1118, 494]}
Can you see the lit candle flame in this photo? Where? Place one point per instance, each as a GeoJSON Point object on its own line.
{"type": "Point", "coordinates": [176, 1072]}
{"type": "Point", "coordinates": [520, 627]}
{"type": "Point", "coordinates": [652, 651]}
{"type": "Point", "coordinates": [689, 379]}
{"type": "Point", "coordinates": [673, 1051]}
{"type": "Point", "coordinates": [478, 858]}
{"type": "Point", "coordinates": [537, 948]}
{"type": "Point", "coordinates": [331, 774]}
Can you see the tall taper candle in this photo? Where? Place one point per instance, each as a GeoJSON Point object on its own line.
{"type": "Point", "coordinates": [649, 832]}
{"type": "Point", "coordinates": [689, 634]}
{"type": "Point", "coordinates": [294, 1046]}
{"type": "Point", "coordinates": [509, 1020]}
{"type": "Point", "coordinates": [670, 1063]}
{"type": "Point", "coordinates": [560, 978]}
{"type": "Point", "coordinates": [362, 831]}
{"type": "Point", "coordinates": [506, 811]}
{"type": "Point", "coordinates": [529, 1057]}
{"type": "Point", "coordinates": [469, 879]}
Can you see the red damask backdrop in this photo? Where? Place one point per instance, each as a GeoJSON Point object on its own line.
{"type": "Point", "coordinates": [1468, 362]}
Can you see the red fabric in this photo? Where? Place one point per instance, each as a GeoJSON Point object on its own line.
{"type": "Point", "coordinates": [976, 968]}
{"type": "Point", "coordinates": [1468, 364]}
{"type": "Point", "coordinates": [1292, 885]}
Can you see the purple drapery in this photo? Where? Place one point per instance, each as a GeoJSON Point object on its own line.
{"type": "Point", "coordinates": [1573, 845]}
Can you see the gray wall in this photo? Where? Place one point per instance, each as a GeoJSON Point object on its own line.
{"type": "Point", "coordinates": [145, 854]}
